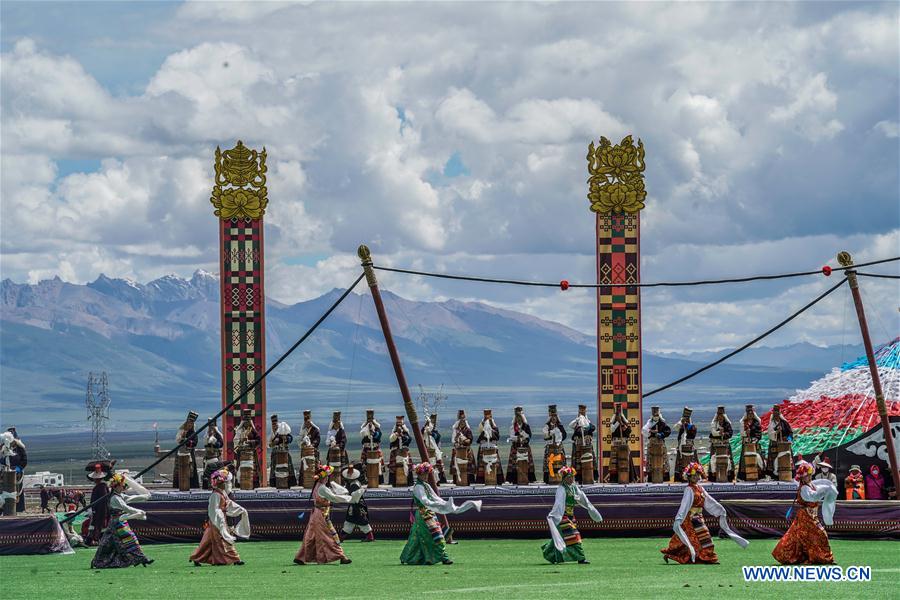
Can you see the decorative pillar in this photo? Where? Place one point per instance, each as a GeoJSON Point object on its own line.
{"type": "Point", "coordinates": [616, 192]}
{"type": "Point", "coordinates": [239, 196]}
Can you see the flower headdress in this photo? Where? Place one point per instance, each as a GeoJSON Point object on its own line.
{"type": "Point", "coordinates": [565, 472]}
{"type": "Point", "coordinates": [803, 469]}
{"type": "Point", "coordinates": [220, 476]}
{"type": "Point", "coordinates": [117, 479]}
{"type": "Point", "coordinates": [423, 468]}
{"type": "Point", "coordinates": [694, 468]}
{"type": "Point", "coordinates": [323, 472]}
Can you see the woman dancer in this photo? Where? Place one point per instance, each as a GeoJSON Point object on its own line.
{"type": "Point", "coordinates": [565, 544]}
{"type": "Point", "coordinates": [692, 542]}
{"type": "Point", "coordinates": [426, 545]}
{"type": "Point", "coordinates": [320, 540]}
{"type": "Point", "coordinates": [805, 542]}
{"type": "Point", "coordinates": [217, 545]}
{"type": "Point", "coordinates": [118, 545]}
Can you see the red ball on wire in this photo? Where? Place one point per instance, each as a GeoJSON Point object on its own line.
{"type": "Point", "coordinates": [564, 284]}
{"type": "Point", "coordinates": [826, 270]}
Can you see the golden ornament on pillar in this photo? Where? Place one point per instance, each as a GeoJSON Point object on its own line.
{"type": "Point", "coordinates": [616, 184]}
{"type": "Point", "coordinates": [240, 188]}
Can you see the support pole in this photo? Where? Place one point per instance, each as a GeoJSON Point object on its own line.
{"type": "Point", "coordinates": [366, 257]}
{"type": "Point", "coordinates": [847, 261]}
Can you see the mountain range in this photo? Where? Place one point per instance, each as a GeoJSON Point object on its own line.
{"type": "Point", "coordinates": [159, 344]}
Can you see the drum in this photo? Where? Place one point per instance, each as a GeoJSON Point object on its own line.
{"type": "Point", "coordinates": [750, 462]}
{"type": "Point", "coordinates": [622, 454]}
{"type": "Point", "coordinates": [555, 461]}
{"type": "Point", "coordinates": [335, 461]}
{"type": "Point", "coordinates": [307, 466]}
{"type": "Point", "coordinates": [282, 468]}
{"type": "Point", "coordinates": [720, 460]}
{"type": "Point", "coordinates": [401, 469]}
{"type": "Point", "coordinates": [374, 461]}
{"type": "Point", "coordinates": [8, 484]}
{"type": "Point", "coordinates": [682, 460]}
{"type": "Point", "coordinates": [656, 456]}
{"type": "Point", "coordinates": [461, 466]}
{"type": "Point", "coordinates": [523, 466]}
{"type": "Point", "coordinates": [211, 452]}
{"type": "Point", "coordinates": [784, 462]}
{"type": "Point", "coordinates": [491, 459]}
{"type": "Point", "coordinates": [583, 461]}
{"type": "Point", "coordinates": [184, 472]}
{"type": "Point", "coordinates": [245, 468]}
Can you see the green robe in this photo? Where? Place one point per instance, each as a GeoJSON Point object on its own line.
{"type": "Point", "coordinates": [568, 529]}
{"type": "Point", "coordinates": [425, 545]}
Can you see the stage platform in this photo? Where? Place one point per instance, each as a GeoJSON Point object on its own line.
{"type": "Point", "coordinates": [639, 510]}
{"type": "Point", "coordinates": [32, 534]}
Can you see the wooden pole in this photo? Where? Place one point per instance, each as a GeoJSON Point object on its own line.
{"type": "Point", "coordinates": [366, 257]}
{"type": "Point", "coordinates": [847, 261]}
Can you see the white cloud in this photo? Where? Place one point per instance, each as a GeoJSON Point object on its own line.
{"type": "Point", "coordinates": [749, 117]}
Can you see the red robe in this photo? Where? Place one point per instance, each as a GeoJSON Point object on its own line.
{"type": "Point", "coordinates": [697, 533]}
{"type": "Point", "coordinates": [805, 542]}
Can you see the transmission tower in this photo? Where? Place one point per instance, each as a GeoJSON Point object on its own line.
{"type": "Point", "coordinates": [430, 402]}
{"type": "Point", "coordinates": [97, 403]}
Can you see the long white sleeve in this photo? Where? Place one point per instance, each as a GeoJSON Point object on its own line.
{"type": "Point", "coordinates": [118, 503]}
{"type": "Point", "coordinates": [233, 509]}
{"type": "Point", "coordinates": [334, 496]}
{"type": "Point", "coordinates": [825, 493]}
{"type": "Point", "coordinates": [430, 500]}
{"type": "Point", "coordinates": [687, 499]}
{"type": "Point", "coordinates": [135, 491]}
{"type": "Point", "coordinates": [717, 510]}
{"type": "Point", "coordinates": [217, 517]}
{"type": "Point", "coordinates": [582, 500]}
{"type": "Point", "coordinates": [555, 516]}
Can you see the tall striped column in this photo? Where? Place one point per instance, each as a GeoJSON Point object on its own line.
{"type": "Point", "coordinates": [616, 191]}
{"type": "Point", "coordinates": [240, 198]}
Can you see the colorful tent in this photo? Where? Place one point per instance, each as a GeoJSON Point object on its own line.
{"type": "Point", "coordinates": [840, 406]}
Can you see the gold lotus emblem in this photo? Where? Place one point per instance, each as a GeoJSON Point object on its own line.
{"type": "Point", "coordinates": [616, 184]}
{"type": "Point", "coordinates": [240, 188]}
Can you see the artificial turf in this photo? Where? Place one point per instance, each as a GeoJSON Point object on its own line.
{"type": "Point", "coordinates": [490, 569]}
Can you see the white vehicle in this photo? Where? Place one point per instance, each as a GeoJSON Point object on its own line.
{"type": "Point", "coordinates": [45, 478]}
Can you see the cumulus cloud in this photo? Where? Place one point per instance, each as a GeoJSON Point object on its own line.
{"type": "Point", "coordinates": [752, 118]}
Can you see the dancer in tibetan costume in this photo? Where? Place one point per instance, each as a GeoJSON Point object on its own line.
{"type": "Point", "coordinates": [583, 457]}
{"type": "Point", "coordinates": [751, 433]}
{"type": "Point", "coordinates": [399, 462]}
{"type": "Point", "coordinates": [217, 545]}
{"type": "Point", "coordinates": [336, 443]}
{"type": "Point", "coordinates": [358, 512]}
{"type": "Point", "coordinates": [462, 459]}
{"type": "Point", "coordinates": [805, 542]}
{"type": "Point", "coordinates": [432, 436]}
{"type": "Point", "coordinates": [247, 444]}
{"type": "Point", "coordinates": [489, 464]}
{"type": "Point", "coordinates": [371, 457]}
{"type": "Point", "coordinates": [118, 545]}
{"type": "Point", "coordinates": [692, 542]}
{"type": "Point", "coordinates": [212, 452]}
{"type": "Point", "coordinates": [186, 452]}
{"type": "Point", "coordinates": [321, 543]}
{"type": "Point", "coordinates": [685, 451]}
{"type": "Point", "coordinates": [281, 465]}
{"type": "Point", "coordinates": [781, 436]}
{"type": "Point", "coordinates": [520, 449]}
{"type": "Point", "coordinates": [720, 433]}
{"type": "Point", "coordinates": [565, 544]}
{"type": "Point", "coordinates": [426, 545]}
{"type": "Point", "coordinates": [655, 431]}
{"type": "Point", "coordinates": [99, 472]}
{"type": "Point", "coordinates": [554, 452]}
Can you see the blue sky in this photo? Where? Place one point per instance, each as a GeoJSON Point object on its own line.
{"type": "Point", "coordinates": [452, 137]}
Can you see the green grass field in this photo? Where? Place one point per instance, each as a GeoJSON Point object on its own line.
{"type": "Point", "coordinates": [620, 568]}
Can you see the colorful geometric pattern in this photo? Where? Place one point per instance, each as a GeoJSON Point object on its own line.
{"type": "Point", "coordinates": [243, 326]}
{"type": "Point", "coordinates": [840, 406]}
{"type": "Point", "coordinates": [619, 330]}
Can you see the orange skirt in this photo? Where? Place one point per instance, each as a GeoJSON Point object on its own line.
{"type": "Point", "coordinates": [698, 535]}
{"type": "Point", "coordinates": [320, 541]}
{"type": "Point", "coordinates": [214, 550]}
{"type": "Point", "coordinates": [805, 542]}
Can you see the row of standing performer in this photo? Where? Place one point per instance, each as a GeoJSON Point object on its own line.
{"type": "Point", "coordinates": [805, 542]}
{"type": "Point", "coordinates": [464, 468]}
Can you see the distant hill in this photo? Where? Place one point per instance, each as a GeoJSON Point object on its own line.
{"type": "Point", "coordinates": [159, 342]}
